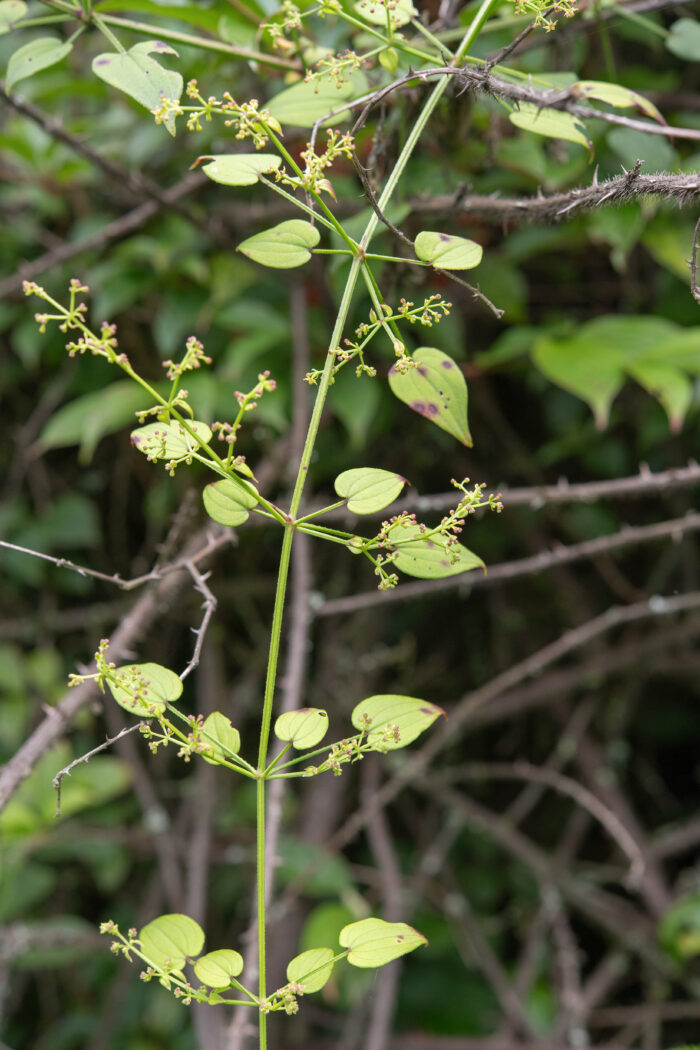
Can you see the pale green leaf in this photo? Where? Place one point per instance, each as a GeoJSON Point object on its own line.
{"type": "Point", "coordinates": [616, 95]}
{"type": "Point", "coordinates": [240, 169]}
{"type": "Point", "coordinates": [668, 384]}
{"type": "Point", "coordinates": [585, 368]}
{"type": "Point", "coordinates": [170, 441]}
{"type": "Point", "coordinates": [303, 728]}
{"type": "Point", "coordinates": [374, 942]}
{"type": "Point", "coordinates": [34, 56]}
{"type": "Point", "coordinates": [306, 102]}
{"type": "Point", "coordinates": [311, 969]}
{"type": "Point", "coordinates": [435, 389]}
{"type": "Point", "coordinates": [140, 76]}
{"type": "Point", "coordinates": [283, 246]}
{"type": "Point", "coordinates": [223, 739]}
{"type": "Point", "coordinates": [394, 722]}
{"type": "Point", "coordinates": [447, 252]}
{"type": "Point", "coordinates": [375, 12]}
{"type": "Point", "coordinates": [683, 39]}
{"type": "Point", "coordinates": [594, 362]}
{"type": "Point", "coordinates": [228, 502]}
{"type": "Point", "coordinates": [217, 968]}
{"type": "Point", "coordinates": [368, 489]}
{"type": "Point", "coordinates": [430, 558]}
{"type": "Point", "coordinates": [552, 123]}
{"type": "Point", "coordinates": [11, 11]}
{"type": "Point", "coordinates": [88, 418]}
{"type": "Point", "coordinates": [145, 689]}
{"type": "Point", "coordinates": [170, 940]}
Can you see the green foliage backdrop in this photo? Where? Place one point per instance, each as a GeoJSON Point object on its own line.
{"type": "Point", "coordinates": [545, 837]}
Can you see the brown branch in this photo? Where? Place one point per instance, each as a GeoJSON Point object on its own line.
{"type": "Point", "coordinates": [134, 182]}
{"type": "Point", "coordinates": [209, 606]}
{"type": "Point", "coordinates": [532, 666]}
{"type": "Point", "coordinates": [219, 539]}
{"type": "Point", "coordinates": [695, 291]}
{"type": "Point", "coordinates": [159, 595]}
{"type": "Point", "coordinates": [624, 922]}
{"type": "Point", "coordinates": [481, 79]}
{"type": "Point", "coordinates": [474, 946]}
{"type": "Point", "coordinates": [561, 555]}
{"type": "Point", "coordinates": [113, 231]}
{"type": "Point", "coordinates": [66, 771]}
{"type": "Point", "coordinates": [474, 702]}
{"type": "Point", "coordinates": [381, 844]}
{"type": "Point", "coordinates": [605, 816]}
{"type": "Point", "coordinates": [684, 189]}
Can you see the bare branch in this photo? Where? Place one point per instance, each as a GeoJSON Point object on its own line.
{"type": "Point", "coordinates": [219, 539]}
{"type": "Point", "coordinates": [57, 780]}
{"type": "Point", "coordinates": [113, 231]}
{"type": "Point", "coordinates": [566, 786]}
{"type": "Point", "coordinates": [209, 605]}
{"type": "Point", "coordinates": [133, 627]}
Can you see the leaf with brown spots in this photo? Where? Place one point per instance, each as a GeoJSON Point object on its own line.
{"type": "Point", "coordinates": [435, 389]}
{"type": "Point", "coordinates": [394, 721]}
{"type": "Point", "coordinates": [430, 558]}
{"type": "Point", "coordinates": [374, 942]}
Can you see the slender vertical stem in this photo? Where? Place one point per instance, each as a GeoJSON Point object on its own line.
{"type": "Point", "coordinates": [285, 554]}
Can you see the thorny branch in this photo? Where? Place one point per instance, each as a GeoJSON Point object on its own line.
{"type": "Point", "coordinates": [66, 771]}
{"type": "Point", "coordinates": [544, 208]}
{"type": "Point", "coordinates": [209, 606]}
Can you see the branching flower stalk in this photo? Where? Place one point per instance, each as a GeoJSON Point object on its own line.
{"type": "Point", "coordinates": [150, 691]}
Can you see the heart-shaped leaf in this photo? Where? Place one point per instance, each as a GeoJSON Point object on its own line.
{"type": "Point", "coordinates": [145, 689]}
{"type": "Point", "coordinates": [394, 721]}
{"type": "Point", "coordinates": [399, 12]}
{"type": "Point", "coordinates": [170, 940]}
{"type": "Point", "coordinates": [140, 76]}
{"type": "Point", "coordinates": [552, 123]}
{"type": "Point", "coordinates": [34, 56]}
{"type": "Point", "coordinates": [11, 11]}
{"type": "Point", "coordinates": [435, 389]}
{"type": "Point", "coordinates": [306, 102]}
{"type": "Point", "coordinates": [222, 737]}
{"type": "Point", "coordinates": [368, 489]}
{"type": "Point", "coordinates": [284, 246]}
{"type": "Point", "coordinates": [303, 728]}
{"type": "Point", "coordinates": [217, 968]}
{"type": "Point", "coordinates": [430, 558]}
{"type": "Point", "coordinates": [447, 252]}
{"type": "Point", "coordinates": [170, 441]}
{"type": "Point", "coordinates": [683, 39]}
{"type": "Point", "coordinates": [317, 963]}
{"type": "Point", "coordinates": [669, 385]}
{"type": "Point", "coordinates": [595, 359]}
{"type": "Point", "coordinates": [616, 95]}
{"type": "Point", "coordinates": [240, 169]}
{"type": "Point", "coordinates": [374, 942]}
{"type": "Point", "coordinates": [228, 502]}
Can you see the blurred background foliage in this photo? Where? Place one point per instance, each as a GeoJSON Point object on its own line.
{"type": "Point", "coordinates": [536, 933]}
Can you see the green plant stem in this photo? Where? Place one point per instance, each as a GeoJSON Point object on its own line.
{"type": "Point", "coordinates": [42, 20]}
{"type": "Point", "coordinates": [302, 474]}
{"type": "Point", "coordinates": [337, 226]}
{"type": "Point", "coordinates": [323, 510]}
{"type": "Point", "coordinates": [144, 29]}
{"type": "Point", "coordinates": [297, 203]}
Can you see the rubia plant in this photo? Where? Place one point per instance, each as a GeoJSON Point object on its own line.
{"type": "Point", "coordinates": [425, 378]}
